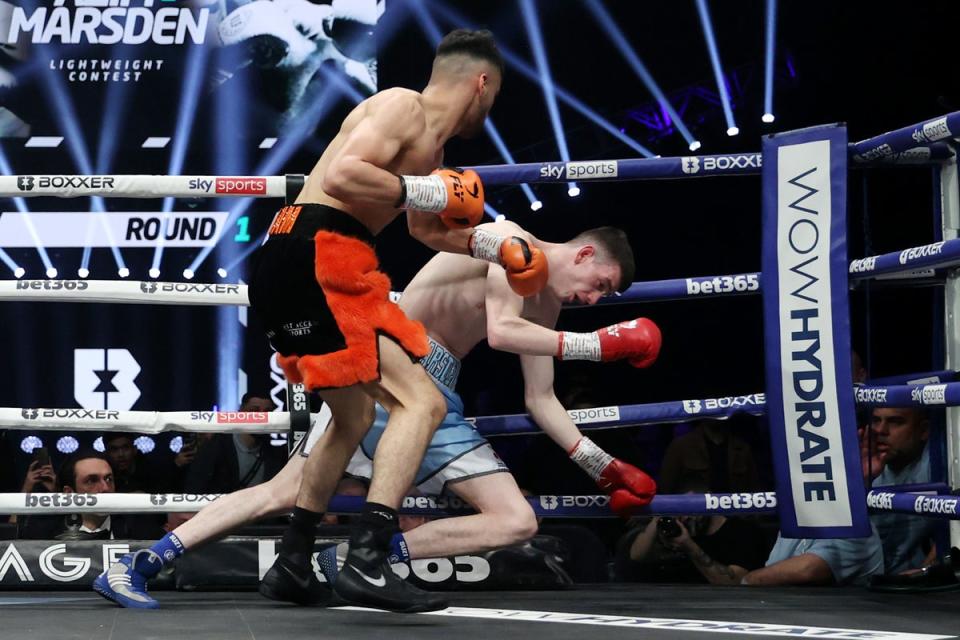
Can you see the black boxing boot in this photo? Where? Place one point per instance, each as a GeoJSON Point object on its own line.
{"type": "Point", "coordinates": [366, 578]}
{"type": "Point", "coordinates": [291, 578]}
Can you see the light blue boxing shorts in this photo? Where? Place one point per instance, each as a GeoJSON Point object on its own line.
{"type": "Point", "coordinates": [457, 451]}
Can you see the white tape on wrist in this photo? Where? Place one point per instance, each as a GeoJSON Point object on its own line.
{"type": "Point", "coordinates": [425, 193]}
{"type": "Point", "coordinates": [580, 346]}
{"type": "Point", "coordinates": [486, 246]}
{"type": "Point", "coordinates": [591, 458]}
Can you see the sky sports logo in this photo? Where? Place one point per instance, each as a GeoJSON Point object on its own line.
{"type": "Point", "coordinates": [590, 170]}
{"type": "Point", "coordinates": [241, 186]}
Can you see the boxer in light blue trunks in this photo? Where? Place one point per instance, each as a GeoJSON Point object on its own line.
{"type": "Point", "coordinates": [461, 302]}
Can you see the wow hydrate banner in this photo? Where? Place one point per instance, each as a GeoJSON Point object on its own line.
{"type": "Point", "coordinates": [807, 341]}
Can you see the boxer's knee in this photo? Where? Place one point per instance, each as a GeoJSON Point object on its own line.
{"type": "Point", "coordinates": [514, 525]}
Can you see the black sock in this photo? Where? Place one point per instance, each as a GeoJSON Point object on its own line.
{"type": "Point", "coordinates": [297, 543]}
{"type": "Point", "coordinates": [375, 527]}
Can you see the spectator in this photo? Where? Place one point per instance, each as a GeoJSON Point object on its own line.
{"type": "Point", "coordinates": [40, 476]}
{"type": "Point", "coordinates": [710, 456]}
{"type": "Point", "coordinates": [705, 548]}
{"type": "Point", "coordinates": [899, 454]}
{"type": "Point", "coordinates": [229, 462]}
{"type": "Point", "coordinates": [805, 561]}
{"type": "Point", "coordinates": [136, 474]}
{"type": "Point", "coordinates": [88, 471]}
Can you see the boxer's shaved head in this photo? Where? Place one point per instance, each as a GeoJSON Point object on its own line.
{"type": "Point", "coordinates": [462, 48]}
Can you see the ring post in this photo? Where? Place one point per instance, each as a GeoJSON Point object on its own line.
{"type": "Point", "coordinates": [950, 219]}
{"type": "Point", "coordinates": [807, 335]}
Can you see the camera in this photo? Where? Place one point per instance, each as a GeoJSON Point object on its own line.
{"type": "Point", "coordinates": [668, 527]}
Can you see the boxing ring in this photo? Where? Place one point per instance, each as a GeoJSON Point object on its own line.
{"type": "Point", "coordinates": [609, 610]}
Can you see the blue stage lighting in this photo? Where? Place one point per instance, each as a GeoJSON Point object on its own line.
{"type": "Point", "coordinates": [705, 22]}
{"type": "Point", "coordinates": [188, 274]}
{"type": "Point", "coordinates": [770, 55]}
{"type": "Point", "coordinates": [13, 266]}
{"type": "Point", "coordinates": [83, 272]}
{"type": "Point", "coordinates": [517, 63]}
{"type": "Point", "coordinates": [51, 272]}
{"type": "Point", "coordinates": [154, 273]}
{"type": "Point", "coordinates": [21, 206]}
{"type": "Point", "coordinates": [535, 36]}
{"type": "Point", "coordinates": [176, 444]}
{"type": "Point", "coordinates": [19, 272]}
{"type": "Point", "coordinates": [620, 41]}
{"type": "Point", "coordinates": [67, 118]}
{"type": "Point", "coordinates": [98, 445]}
{"type": "Point", "coordinates": [123, 272]}
{"type": "Point", "coordinates": [28, 444]}
{"type": "Point", "coordinates": [189, 94]}
{"type": "Point", "coordinates": [145, 444]}
{"type": "Point", "coordinates": [67, 444]}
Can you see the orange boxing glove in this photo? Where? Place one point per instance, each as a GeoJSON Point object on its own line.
{"type": "Point", "coordinates": [454, 194]}
{"type": "Point", "coordinates": [526, 266]}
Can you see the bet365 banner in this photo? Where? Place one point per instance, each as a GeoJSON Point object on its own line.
{"type": "Point", "coordinates": [807, 335]}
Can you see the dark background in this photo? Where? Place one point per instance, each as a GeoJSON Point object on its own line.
{"type": "Point", "coordinates": [874, 66]}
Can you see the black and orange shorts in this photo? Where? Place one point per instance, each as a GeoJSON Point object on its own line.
{"type": "Point", "coordinates": [317, 288]}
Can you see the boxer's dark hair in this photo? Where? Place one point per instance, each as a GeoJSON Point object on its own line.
{"type": "Point", "coordinates": [67, 477]}
{"type": "Point", "coordinates": [478, 44]}
{"type": "Point", "coordinates": [612, 246]}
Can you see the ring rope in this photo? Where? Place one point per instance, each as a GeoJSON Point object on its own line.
{"type": "Point", "coordinates": [550, 506]}
{"type": "Point", "coordinates": [910, 261]}
{"type": "Point", "coordinates": [915, 144]}
{"type": "Point", "coordinates": [606, 417]}
{"type": "Point", "coordinates": [144, 186]}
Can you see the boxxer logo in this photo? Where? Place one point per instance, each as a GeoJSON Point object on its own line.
{"type": "Point", "coordinates": [104, 379]}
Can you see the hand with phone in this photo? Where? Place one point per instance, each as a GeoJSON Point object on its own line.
{"type": "Point", "coordinates": [40, 473]}
{"type": "Point", "coordinates": [188, 451]}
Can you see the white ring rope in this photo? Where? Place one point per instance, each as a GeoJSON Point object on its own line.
{"type": "Point", "coordinates": [143, 186]}
{"type": "Point", "coordinates": [129, 292]}
{"type": "Point", "coordinates": [150, 422]}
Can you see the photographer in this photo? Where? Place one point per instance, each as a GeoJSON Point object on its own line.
{"type": "Point", "coordinates": [714, 549]}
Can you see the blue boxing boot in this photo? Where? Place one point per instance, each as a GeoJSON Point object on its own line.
{"type": "Point", "coordinates": [125, 581]}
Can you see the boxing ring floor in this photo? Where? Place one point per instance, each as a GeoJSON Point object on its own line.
{"type": "Point", "coordinates": [642, 611]}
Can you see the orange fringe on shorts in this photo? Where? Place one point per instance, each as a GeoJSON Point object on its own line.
{"type": "Point", "coordinates": [359, 298]}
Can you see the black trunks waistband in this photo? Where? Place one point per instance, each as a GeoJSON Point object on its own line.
{"type": "Point", "coordinates": [308, 218]}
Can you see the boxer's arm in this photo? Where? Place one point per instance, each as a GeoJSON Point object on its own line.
{"type": "Point", "coordinates": [542, 403]}
{"type": "Point", "coordinates": [355, 174]}
{"type": "Point", "coordinates": [429, 229]}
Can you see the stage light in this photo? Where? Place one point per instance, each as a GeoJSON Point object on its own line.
{"type": "Point", "coordinates": [222, 272]}
{"type": "Point", "coordinates": [123, 272]}
{"type": "Point", "coordinates": [770, 57]}
{"type": "Point", "coordinates": [98, 445]}
{"type": "Point", "coordinates": [67, 444]}
{"type": "Point", "coordinates": [535, 37]}
{"type": "Point", "coordinates": [188, 274]}
{"type": "Point", "coordinates": [505, 152]}
{"type": "Point", "coordinates": [190, 90]}
{"type": "Point", "coordinates": [493, 213]}
{"type": "Point", "coordinates": [573, 191]}
{"type": "Point", "coordinates": [714, 52]}
{"type": "Point", "coordinates": [519, 64]}
{"type": "Point", "coordinates": [176, 444]}
{"type": "Point", "coordinates": [154, 272]}
{"type": "Point", "coordinates": [18, 272]}
{"type": "Point", "coordinates": [616, 36]}
{"type": "Point", "coordinates": [695, 145]}
{"type": "Point", "coordinates": [145, 444]}
{"type": "Point", "coordinates": [500, 218]}
{"type": "Point", "coordinates": [28, 444]}
{"type": "Point", "coordinates": [83, 272]}
{"type": "Point", "coordinates": [536, 205]}
{"type": "Point", "coordinates": [52, 272]}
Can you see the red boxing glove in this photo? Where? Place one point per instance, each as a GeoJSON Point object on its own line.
{"type": "Point", "coordinates": [454, 194]}
{"type": "Point", "coordinates": [638, 341]}
{"type": "Point", "coordinates": [525, 264]}
{"type": "Point", "coordinates": [629, 488]}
